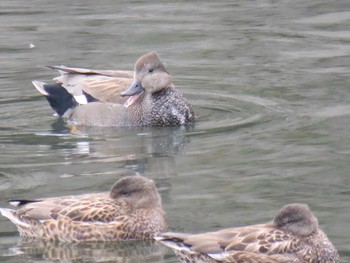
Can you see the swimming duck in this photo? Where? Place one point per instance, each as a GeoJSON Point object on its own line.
{"type": "Point", "coordinates": [145, 97]}
{"type": "Point", "coordinates": [292, 237]}
{"type": "Point", "coordinates": [131, 210]}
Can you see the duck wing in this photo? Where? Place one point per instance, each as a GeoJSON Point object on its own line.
{"type": "Point", "coordinates": [261, 239]}
{"type": "Point", "coordinates": [102, 85]}
{"type": "Point", "coordinates": [85, 71]}
{"type": "Point", "coordinates": [84, 208]}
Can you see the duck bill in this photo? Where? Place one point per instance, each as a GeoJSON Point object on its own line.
{"type": "Point", "coordinates": [134, 92]}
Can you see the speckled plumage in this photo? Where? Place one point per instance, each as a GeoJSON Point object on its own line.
{"type": "Point", "coordinates": [132, 210]}
{"type": "Point", "coordinates": [99, 98]}
{"type": "Point", "coordinates": [292, 237]}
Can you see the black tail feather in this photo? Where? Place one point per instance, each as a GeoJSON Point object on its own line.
{"type": "Point", "coordinates": [89, 98]}
{"type": "Point", "coordinates": [21, 202]}
{"type": "Point", "coordinates": [59, 98]}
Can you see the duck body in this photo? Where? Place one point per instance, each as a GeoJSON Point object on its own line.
{"type": "Point", "coordinates": [167, 107]}
{"type": "Point", "coordinates": [114, 216]}
{"type": "Point", "coordinates": [145, 97]}
{"type": "Point", "coordinates": [293, 237]}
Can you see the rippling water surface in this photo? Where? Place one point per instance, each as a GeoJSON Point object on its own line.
{"type": "Point", "coordinates": [269, 83]}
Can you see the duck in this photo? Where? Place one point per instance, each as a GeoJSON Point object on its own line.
{"type": "Point", "coordinates": [293, 236]}
{"type": "Point", "coordinates": [144, 97]}
{"type": "Point", "coordinates": [132, 210]}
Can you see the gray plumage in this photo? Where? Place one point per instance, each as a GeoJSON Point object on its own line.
{"type": "Point", "coordinates": [113, 98]}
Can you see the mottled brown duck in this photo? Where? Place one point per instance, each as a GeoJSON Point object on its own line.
{"type": "Point", "coordinates": [292, 237]}
{"type": "Point", "coordinates": [131, 210]}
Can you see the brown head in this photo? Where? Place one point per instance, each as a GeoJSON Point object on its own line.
{"type": "Point", "coordinates": [150, 76]}
{"type": "Point", "coordinates": [296, 218]}
{"type": "Point", "coordinates": [137, 191]}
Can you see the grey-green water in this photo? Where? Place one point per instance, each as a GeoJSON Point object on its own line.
{"type": "Point", "coordinates": [269, 82]}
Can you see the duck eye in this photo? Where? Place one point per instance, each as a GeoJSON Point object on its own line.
{"type": "Point", "coordinates": [150, 70]}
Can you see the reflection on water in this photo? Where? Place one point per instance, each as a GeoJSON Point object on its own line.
{"type": "Point", "coordinates": [136, 147]}
{"type": "Point", "coordinates": [128, 251]}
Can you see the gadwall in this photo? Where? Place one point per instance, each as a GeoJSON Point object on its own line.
{"type": "Point", "coordinates": [292, 237]}
{"type": "Point", "coordinates": [145, 97]}
{"type": "Point", "coordinates": [131, 210]}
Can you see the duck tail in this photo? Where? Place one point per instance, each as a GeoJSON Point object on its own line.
{"type": "Point", "coordinates": [60, 100]}
{"type": "Point", "coordinates": [10, 214]}
{"type": "Point", "coordinates": [174, 241]}
{"type": "Point", "coordinates": [21, 202]}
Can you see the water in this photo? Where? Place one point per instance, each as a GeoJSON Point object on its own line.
{"type": "Point", "coordinates": [268, 81]}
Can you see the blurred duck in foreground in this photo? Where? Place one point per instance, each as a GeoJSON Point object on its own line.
{"type": "Point", "coordinates": [145, 97]}
{"type": "Point", "coordinates": [131, 210]}
{"type": "Point", "coordinates": [292, 237]}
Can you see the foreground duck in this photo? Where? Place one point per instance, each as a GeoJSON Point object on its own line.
{"type": "Point", "coordinates": [145, 97]}
{"type": "Point", "coordinates": [131, 210]}
{"type": "Point", "coordinates": [292, 237]}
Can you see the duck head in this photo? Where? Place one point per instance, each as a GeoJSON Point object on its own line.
{"type": "Point", "coordinates": [296, 218]}
{"type": "Point", "coordinates": [137, 191]}
{"type": "Point", "coordinates": [150, 76]}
